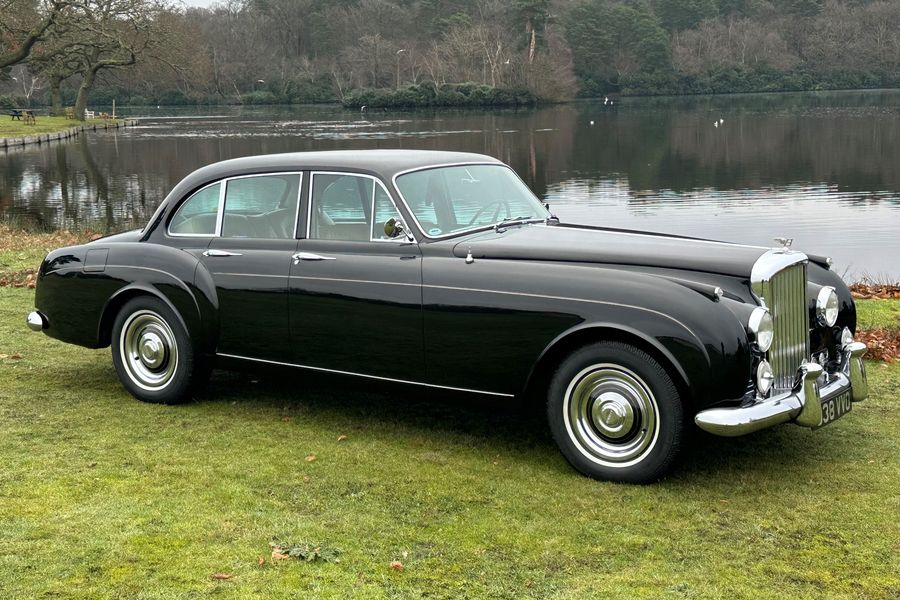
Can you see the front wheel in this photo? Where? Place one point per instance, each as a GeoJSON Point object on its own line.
{"type": "Point", "coordinates": [153, 354]}
{"type": "Point", "coordinates": [615, 413]}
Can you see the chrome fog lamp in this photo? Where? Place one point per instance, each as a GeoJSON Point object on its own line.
{"type": "Point", "coordinates": [764, 377]}
{"type": "Point", "coordinates": [846, 337]}
{"type": "Point", "coordinates": [761, 327]}
{"type": "Point", "coordinates": [827, 306]}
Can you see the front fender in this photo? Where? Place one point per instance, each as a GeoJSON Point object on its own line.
{"type": "Point", "coordinates": [709, 357]}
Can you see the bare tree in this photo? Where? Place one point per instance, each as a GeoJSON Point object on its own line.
{"type": "Point", "coordinates": [23, 25]}
{"type": "Point", "coordinates": [28, 81]}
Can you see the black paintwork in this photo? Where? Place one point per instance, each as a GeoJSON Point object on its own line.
{"type": "Point", "coordinates": [419, 311]}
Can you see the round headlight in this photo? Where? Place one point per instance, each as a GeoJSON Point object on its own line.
{"type": "Point", "coordinates": [827, 306]}
{"type": "Point", "coordinates": [764, 377]}
{"type": "Point", "coordinates": [761, 327]}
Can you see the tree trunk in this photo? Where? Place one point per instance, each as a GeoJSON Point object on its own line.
{"type": "Point", "coordinates": [84, 90]}
{"type": "Point", "coordinates": [56, 107]}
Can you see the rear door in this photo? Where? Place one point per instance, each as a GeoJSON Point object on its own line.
{"type": "Point", "coordinates": [250, 261]}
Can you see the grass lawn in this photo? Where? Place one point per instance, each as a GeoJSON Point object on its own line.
{"type": "Point", "coordinates": [871, 314]}
{"type": "Point", "coordinates": [10, 128]}
{"type": "Point", "coordinates": [102, 496]}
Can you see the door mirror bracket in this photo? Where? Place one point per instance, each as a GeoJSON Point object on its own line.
{"type": "Point", "coordinates": [394, 228]}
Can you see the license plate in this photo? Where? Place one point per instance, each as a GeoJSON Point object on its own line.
{"type": "Point", "coordinates": [835, 408]}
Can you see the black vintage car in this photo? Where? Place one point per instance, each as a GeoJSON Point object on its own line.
{"type": "Point", "coordinates": [443, 270]}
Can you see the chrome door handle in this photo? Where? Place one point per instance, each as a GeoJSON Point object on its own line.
{"type": "Point", "coordinates": [309, 256]}
{"type": "Point", "coordinates": [220, 253]}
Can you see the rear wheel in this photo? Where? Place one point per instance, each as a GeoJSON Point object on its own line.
{"type": "Point", "coordinates": [153, 354]}
{"type": "Point", "coordinates": [615, 413]}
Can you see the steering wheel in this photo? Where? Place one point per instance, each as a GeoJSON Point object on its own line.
{"type": "Point", "coordinates": [498, 203]}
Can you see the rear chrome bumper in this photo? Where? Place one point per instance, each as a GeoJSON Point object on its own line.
{"type": "Point", "coordinates": [36, 321]}
{"type": "Point", "coordinates": [802, 405]}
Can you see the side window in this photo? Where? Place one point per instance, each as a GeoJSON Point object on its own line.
{"type": "Point", "coordinates": [341, 207]}
{"type": "Point", "coordinates": [423, 192]}
{"type": "Point", "coordinates": [263, 206]}
{"type": "Point", "coordinates": [198, 214]}
{"type": "Point", "coordinates": [384, 211]}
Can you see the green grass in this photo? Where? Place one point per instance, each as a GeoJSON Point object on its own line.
{"type": "Point", "coordinates": [10, 128]}
{"type": "Point", "coordinates": [102, 496]}
{"type": "Point", "coordinates": [878, 313]}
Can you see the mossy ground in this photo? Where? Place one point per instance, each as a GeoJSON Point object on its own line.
{"type": "Point", "coordinates": [102, 496]}
{"type": "Point", "coordinates": [11, 128]}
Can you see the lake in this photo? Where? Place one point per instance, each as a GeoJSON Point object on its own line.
{"type": "Point", "coordinates": [822, 168]}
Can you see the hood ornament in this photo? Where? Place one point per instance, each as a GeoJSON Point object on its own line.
{"type": "Point", "coordinates": [785, 242]}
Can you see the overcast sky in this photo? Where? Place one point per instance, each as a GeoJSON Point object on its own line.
{"type": "Point", "coordinates": [198, 2]}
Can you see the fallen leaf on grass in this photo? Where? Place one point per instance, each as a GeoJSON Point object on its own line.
{"type": "Point", "coordinates": [306, 478]}
{"type": "Point", "coordinates": [260, 560]}
{"type": "Point", "coordinates": [866, 291]}
{"type": "Point", "coordinates": [396, 565]}
{"type": "Point", "coordinates": [222, 576]}
{"type": "Point", "coordinates": [304, 552]}
{"type": "Point", "coordinates": [311, 458]}
{"type": "Point", "coordinates": [341, 438]}
{"type": "Point", "coordinates": [883, 344]}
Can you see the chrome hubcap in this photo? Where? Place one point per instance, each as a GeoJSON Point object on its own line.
{"type": "Point", "coordinates": [152, 350]}
{"type": "Point", "coordinates": [611, 415]}
{"type": "Point", "coordinates": [148, 350]}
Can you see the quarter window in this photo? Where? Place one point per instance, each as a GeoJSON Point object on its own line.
{"type": "Point", "coordinates": [262, 206]}
{"type": "Point", "coordinates": [384, 211]}
{"type": "Point", "coordinates": [198, 214]}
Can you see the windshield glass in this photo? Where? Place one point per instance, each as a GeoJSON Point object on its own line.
{"type": "Point", "coordinates": [448, 200]}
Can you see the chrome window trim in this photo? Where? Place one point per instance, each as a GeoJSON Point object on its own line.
{"type": "Point", "coordinates": [378, 377]}
{"type": "Point", "coordinates": [220, 215]}
{"type": "Point", "coordinates": [459, 164]}
{"type": "Point", "coordinates": [312, 180]}
{"type": "Point", "coordinates": [170, 233]}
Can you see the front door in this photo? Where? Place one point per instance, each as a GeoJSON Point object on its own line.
{"type": "Point", "coordinates": [356, 293]}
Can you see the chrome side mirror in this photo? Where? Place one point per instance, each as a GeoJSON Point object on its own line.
{"type": "Point", "coordinates": [394, 228]}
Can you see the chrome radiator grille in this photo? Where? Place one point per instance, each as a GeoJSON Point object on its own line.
{"type": "Point", "coordinates": [785, 297]}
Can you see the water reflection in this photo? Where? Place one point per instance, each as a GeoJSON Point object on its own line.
{"type": "Point", "coordinates": [817, 167]}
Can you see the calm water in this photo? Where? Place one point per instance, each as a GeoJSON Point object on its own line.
{"type": "Point", "coordinates": [821, 168]}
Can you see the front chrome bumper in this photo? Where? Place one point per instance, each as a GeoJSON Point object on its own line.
{"type": "Point", "coordinates": [802, 405]}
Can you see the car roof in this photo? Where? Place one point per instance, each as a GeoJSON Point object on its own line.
{"type": "Point", "coordinates": [382, 163]}
{"type": "Point", "coordinates": [385, 163]}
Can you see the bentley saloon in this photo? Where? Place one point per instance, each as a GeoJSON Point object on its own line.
{"type": "Point", "coordinates": [443, 270]}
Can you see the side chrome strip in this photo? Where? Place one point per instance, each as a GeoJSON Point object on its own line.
{"type": "Point", "coordinates": [338, 372]}
{"type": "Point", "coordinates": [355, 281]}
{"type": "Point", "coordinates": [249, 275]}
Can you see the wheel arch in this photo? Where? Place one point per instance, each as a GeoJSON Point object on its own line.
{"type": "Point", "coordinates": [542, 371]}
{"type": "Point", "coordinates": [122, 296]}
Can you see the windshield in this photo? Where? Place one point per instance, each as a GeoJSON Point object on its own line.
{"type": "Point", "coordinates": [447, 200]}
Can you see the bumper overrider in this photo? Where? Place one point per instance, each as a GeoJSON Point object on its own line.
{"type": "Point", "coordinates": [36, 321]}
{"type": "Point", "coordinates": [802, 405]}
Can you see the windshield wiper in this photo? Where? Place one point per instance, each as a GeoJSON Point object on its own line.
{"type": "Point", "coordinates": [520, 220]}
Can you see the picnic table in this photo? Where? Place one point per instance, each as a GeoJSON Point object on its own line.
{"type": "Point", "coordinates": [16, 114]}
